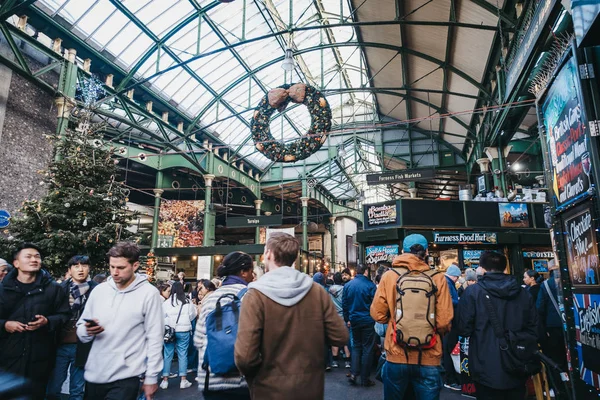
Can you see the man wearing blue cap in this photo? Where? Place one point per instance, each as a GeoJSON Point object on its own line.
{"type": "Point", "coordinates": [409, 364]}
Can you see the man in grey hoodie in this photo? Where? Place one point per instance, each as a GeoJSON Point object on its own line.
{"type": "Point", "coordinates": [285, 314]}
{"type": "Point", "coordinates": [124, 318]}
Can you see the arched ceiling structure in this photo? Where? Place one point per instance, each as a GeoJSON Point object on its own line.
{"type": "Point", "coordinates": [414, 67]}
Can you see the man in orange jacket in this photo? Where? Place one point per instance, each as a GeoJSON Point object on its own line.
{"type": "Point", "coordinates": [407, 365]}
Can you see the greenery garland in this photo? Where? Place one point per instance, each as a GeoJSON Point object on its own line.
{"type": "Point", "coordinates": [278, 99]}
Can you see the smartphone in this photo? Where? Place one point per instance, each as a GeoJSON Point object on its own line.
{"type": "Point", "coordinates": [33, 319]}
{"type": "Point", "coordinates": [91, 322]}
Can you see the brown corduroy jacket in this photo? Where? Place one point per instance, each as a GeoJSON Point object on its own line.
{"type": "Point", "coordinates": [281, 350]}
{"type": "Point", "coordinates": [384, 305]}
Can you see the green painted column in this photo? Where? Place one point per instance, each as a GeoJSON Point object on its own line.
{"type": "Point", "coordinates": [332, 233]}
{"type": "Point", "coordinates": [67, 86]}
{"type": "Point", "coordinates": [209, 217]}
{"type": "Point", "coordinates": [257, 204]}
{"type": "Point", "coordinates": [157, 195]}
{"type": "Point", "coordinates": [304, 223]}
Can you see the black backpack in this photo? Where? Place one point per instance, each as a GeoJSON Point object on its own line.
{"type": "Point", "coordinates": [517, 348]}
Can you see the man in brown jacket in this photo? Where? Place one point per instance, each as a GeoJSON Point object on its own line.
{"type": "Point", "coordinates": [285, 321]}
{"type": "Point", "coordinates": [403, 366]}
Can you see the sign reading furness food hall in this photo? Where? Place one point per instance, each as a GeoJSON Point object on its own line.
{"type": "Point", "coordinates": [465, 238]}
{"type": "Point", "coordinates": [567, 137]}
{"type": "Point", "coordinates": [378, 215]}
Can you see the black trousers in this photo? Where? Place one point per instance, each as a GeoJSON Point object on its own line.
{"type": "Point", "coordinates": [448, 344]}
{"type": "Point", "coordinates": [363, 348]}
{"type": "Point", "coordinates": [124, 389]}
{"type": "Point", "coordinates": [488, 393]}
{"type": "Point", "coordinates": [233, 394]}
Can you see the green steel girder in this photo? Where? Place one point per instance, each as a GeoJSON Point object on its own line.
{"type": "Point", "coordinates": [386, 46]}
{"type": "Point", "coordinates": [160, 43]}
{"type": "Point", "coordinates": [15, 49]}
{"type": "Point", "coordinates": [449, 39]}
{"type": "Point", "coordinates": [494, 10]}
{"type": "Point", "coordinates": [16, 67]}
{"type": "Point", "coordinates": [119, 6]}
{"type": "Point", "coordinates": [400, 16]}
{"type": "Point", "coordinates": [12, 6]}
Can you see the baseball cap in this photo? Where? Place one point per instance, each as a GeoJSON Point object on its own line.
{"type": "Point", "coordinates": [453, 270]}
{"type": "Point", "coordinates": [413, 239]}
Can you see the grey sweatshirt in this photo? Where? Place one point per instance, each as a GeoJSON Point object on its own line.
{"type": "Point", "coordinates": [284, 285]}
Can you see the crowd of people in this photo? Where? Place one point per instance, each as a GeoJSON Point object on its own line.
{"type": "Point", "coordinates": [253, 337]}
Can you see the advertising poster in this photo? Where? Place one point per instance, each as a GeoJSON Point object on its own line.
{"type": "Point", "coordinates": [181, 223]}
{"type": "Point", "coordinates": [468, 386]}
{"type": "Point", "coordinates": [513, 215]}
{"type": "Point", "coordinates": [447, 258]}
{"type": "Point", "coordinates": [587, 336]}
{"type": "Point", "coordinates": [375, 254]}
{"type": "Point", "coordinates": [582, 251]}
{"type": "Point", "coordinates": [566, 135]}
{"type": "Point", "coordinates": [471, 258]}
{"type": "Point", "coordinates": [381, 215]}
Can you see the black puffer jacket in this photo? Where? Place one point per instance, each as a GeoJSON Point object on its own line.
{"type": "Point", "coordinates": [31, 354]}
{"type": "Point", "coordinates": [516, 311]}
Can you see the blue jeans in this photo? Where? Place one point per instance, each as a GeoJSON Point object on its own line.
{"type": "Point", "coordinates": [426, 381]}
{"type": "Point", "coordinates": [363, 346]}
{"type": "Point", "coordinates": [181, 343]}
{"type": "Point", "coordinates": [65, 358]}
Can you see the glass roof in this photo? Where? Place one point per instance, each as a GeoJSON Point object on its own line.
{"type": "Point", "coordinates": [237, 49]}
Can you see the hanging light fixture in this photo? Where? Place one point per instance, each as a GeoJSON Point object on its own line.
{"type": "Point", "coordinates": [288, 62]}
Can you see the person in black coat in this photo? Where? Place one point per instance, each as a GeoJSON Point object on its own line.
{"type": "Point", "coordinates": [516, 312]}
{"type": "Point", "coordinates": [33, 309]}
{"type": "Point", "coordinates": [551, 323]}
{"type": "Point", "coordinates": [532, 279]}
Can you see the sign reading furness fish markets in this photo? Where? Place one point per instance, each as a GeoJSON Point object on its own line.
{"type": "Point", "coordinates": [383, 214]}
{"type": "Point", "coordinates": [406, 175]}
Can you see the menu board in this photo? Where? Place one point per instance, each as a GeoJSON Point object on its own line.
{"type": "Point", "coordinates": [471, 258]}
{"type": "Point", "coordinates": [378, 215]}
{"type": "Point", "coordinates": [582, 251]}
{"type": "Point", "coordinates": [375, 254]}
{"type": "Point", "coordinates": [566, 136]}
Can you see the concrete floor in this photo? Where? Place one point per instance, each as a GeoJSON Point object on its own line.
{"type": "Point", "coordinates": [336, 388]}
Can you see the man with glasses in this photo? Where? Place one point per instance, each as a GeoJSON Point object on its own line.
{"type": "Point", "coordinates": [33, 309]}
{"type": "Point", "coordinates": [72, 354]}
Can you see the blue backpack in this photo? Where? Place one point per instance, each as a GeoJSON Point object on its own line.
{"type": "Point", "coordinates": [221, 333]}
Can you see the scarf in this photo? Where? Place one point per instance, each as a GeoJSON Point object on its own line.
{"type": "Point", "coordinates": [234, 280]}
{"type": "Point", "coordinates": [78, 291]}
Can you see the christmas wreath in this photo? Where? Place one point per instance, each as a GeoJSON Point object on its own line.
{"type": "Point", "coordinates": [278, 99]}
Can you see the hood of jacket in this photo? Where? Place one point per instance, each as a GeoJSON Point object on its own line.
{"type": "Point", "coordinates": [500, 285]}
{"type": "Point", "coordinates": [42, 279]}
{"type": "Point", "coordinates": [336, 291]}
{"type": "Point", "coordinates": [410, 261]}
{"type": "Point", "coordinates": [137, 282]}
{"type": "Point", "coordinates": [285, 286]}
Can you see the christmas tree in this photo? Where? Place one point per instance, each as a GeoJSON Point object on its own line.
{"type": "Point", "coordinates": [84, 210]}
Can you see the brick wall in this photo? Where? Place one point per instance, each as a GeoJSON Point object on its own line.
{"type": "Point", "coordinates": [29, 115]}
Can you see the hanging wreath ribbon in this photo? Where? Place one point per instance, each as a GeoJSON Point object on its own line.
{"type": "Point", "coordinates": [278, 99]}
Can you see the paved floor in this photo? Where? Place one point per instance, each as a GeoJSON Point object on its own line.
{"type": "Point", "coordinates": [336, 388]}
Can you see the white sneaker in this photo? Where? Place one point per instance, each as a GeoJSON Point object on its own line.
{"type": "Point", "coordinates": [164, 384]}
{"type": "Point", "coordinates": [185, 384]}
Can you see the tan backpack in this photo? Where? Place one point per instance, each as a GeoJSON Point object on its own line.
{"type": "Point", "coordinates": [414, 317]}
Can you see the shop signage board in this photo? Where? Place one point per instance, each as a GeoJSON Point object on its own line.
{"type": "Point", "coordinates": [259, 220]}
{"type": "Point", "coordinates": [471, 258]}
{"type": "Point", "coordinates": [587, 334]}
{"type": "Point", "coordinates": [375, 254]}
{"type": "Point", "coordinates": [381, 215]}
{"type": "Point", "coordinates": [406, 175]}
{"type": "Point", "coordinates": [540, 17]}
{"type": "Point", "coordinates": [582, 250]}
{"type": "Point", "coordinates": [465, 238]}
{"type": "Point", "coordinates": [538, 254]}
{"type": "Point", "coordinates": [466, 381]}
{"type": "Point", "coordinates": [566, 129]}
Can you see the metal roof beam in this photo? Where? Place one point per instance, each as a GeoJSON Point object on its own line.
{"type": "Point", "coordinates": [490, 8]}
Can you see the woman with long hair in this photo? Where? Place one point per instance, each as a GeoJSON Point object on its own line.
{"type": "Point", "coordinates": [179, 314]}
{"type": "Point", "coordinates": [237, 272]}
{"type": "Point", "coordinates": [532, 279]}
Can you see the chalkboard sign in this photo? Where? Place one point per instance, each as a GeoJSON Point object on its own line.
{"type": "Point", "coordinates": [582, 251]}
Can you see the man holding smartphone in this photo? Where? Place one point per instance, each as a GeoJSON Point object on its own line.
{"type": "Point", "coordinates": [33, 309]}
{"type": "Point", "coordinates": [124, 318]}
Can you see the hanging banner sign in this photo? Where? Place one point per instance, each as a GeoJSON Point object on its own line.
{"type": "Point", "coordinates": [566, 135]}
{"type": "Point", "coordinates": [259, 220]}
{"type": "Point", "coordinates": [465, 238]}
{"type": "Point", "coordinates": [542, 13]}
{"type": "Point", "coordinates": [377, 215]}
{"type": "Point", "coordinates": [582, 251]}
{"type": "Point", "coordinates": [375, 254]}
{"type": "Point", "coordinates": [405, 175]}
